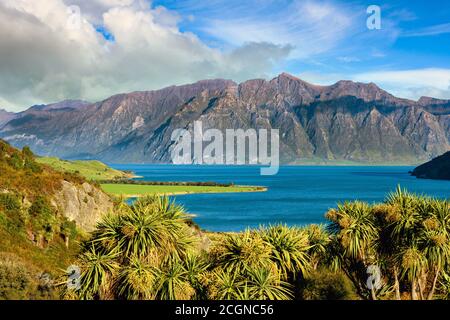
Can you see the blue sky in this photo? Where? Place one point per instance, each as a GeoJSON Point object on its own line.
{"type": "Point", "coordinates": [414, 35]}
{"type": "Point", "coordinates": [76, 49]}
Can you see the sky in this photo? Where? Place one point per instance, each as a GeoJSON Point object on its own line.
{"type": "Point", "coordinates": [51, 50]}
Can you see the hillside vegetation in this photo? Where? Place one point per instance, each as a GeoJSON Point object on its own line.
{"type": "Point", "coordinates": [35, 241]}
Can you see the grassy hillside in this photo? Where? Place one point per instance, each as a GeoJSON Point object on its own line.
{"type": "Point", "coordinates": [91, 170]}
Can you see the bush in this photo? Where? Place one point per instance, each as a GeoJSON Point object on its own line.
{"type": "Point", "coordinates": [68, 228]}
{"type": "Point", "coordinates": [327, 285]}
{"type": "Point", "coordinates": [43, 218]}
{"type": "Point", "coordinates": [9, 202]}
{"type": "Point", "coordinates": [19, 281]}
{"type": "Point", "coordinates": [11, 215]}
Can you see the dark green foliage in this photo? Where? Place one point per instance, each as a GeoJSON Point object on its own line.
{"type": "Point", "coordinates": [326, 285]}
{"type": "Point", "coordinates": [15, 161]}
{"type": "Point", "coordinates": [12, 218]}
{"type": "Point", "coordinates": [9, 202]}
{"type": "Point", "coordinates": [68, 228]}
{"type": "Point", "coordinates": [42, 216]}
{"type": "Point", "coordinates": [29, 163]}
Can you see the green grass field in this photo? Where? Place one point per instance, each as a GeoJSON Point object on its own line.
{"type": "Point", "coordinates": [130, 190]}
{"type": "Point", "coordinates": [90, 169]}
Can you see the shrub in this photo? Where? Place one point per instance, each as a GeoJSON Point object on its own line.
{"type": "Point", "coordinates": [19, 281]}
{"type": "Point", "coordinates": [327, 285]}
{"type": "Point", "coordinates": [43, 218]}
{"type": "Point", "coordinates": [9, 202]}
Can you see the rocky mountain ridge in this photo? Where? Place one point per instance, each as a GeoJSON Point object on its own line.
{"type": "Point", "coordinates": [347, 121]}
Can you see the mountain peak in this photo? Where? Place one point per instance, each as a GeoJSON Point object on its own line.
{"type": "Point", "coordinates": [287, 76]}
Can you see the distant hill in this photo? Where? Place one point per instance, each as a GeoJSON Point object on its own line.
{"type": "Point", "coordinates": [438, 168]}
{"type": "Point", "coordinates": [346, 121]}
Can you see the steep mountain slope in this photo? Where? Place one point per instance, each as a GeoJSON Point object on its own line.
{"type": "Point", "coordinates": [344, 121]}
{"type": "Point", "coordinates": [6, 116]}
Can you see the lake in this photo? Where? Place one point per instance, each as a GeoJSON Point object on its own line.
{"type": "Point", "coordinates": [297, 195]}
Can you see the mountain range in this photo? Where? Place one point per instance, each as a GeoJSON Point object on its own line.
{"type": "Point", "coordinates": [346, 121]}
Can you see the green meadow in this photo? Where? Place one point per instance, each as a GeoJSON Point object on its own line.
{"type": "Point", "coordinates": [132, 190]}
{"type": "Point", "coordinates": [90, 169]}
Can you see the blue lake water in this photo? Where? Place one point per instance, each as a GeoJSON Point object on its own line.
{"type": "Point", "coordinates": [297, 195]}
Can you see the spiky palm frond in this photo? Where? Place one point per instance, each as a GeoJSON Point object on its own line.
{"type": "Point", "coordinates": [195, 266]}
{"type": "Point", "coordinates": [413, 262]}
{"type": "Point", "coordinates": [436, 234]}
{"type": "Point", "coordinates": [318, 238]}
{"type": "Point", "coordinates": [354, 225]}
{"type": "Point", "coordinates": [142, 230]}
{"type": "Point", "coordinates": [244, 251]}
{"type": "Point", "coordinates": [224, 285]}
{"type": "Point", "coordinates": [409, 210]}
{"type": "Point", "coordinates": [108, 233]}
{"type": "Point", "coordinates": [262, 284]}
{"type": "Point", "coordinates": [98, 268]}
{"type": "Point", "coordinates": [136, 280]}
{"type": "Point", "coordinates": [173, 283]}
{"type": "Point", "coordinates": [289, 249]}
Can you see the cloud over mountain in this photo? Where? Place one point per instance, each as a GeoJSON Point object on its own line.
{"type": "Point", "coordinates": [47, 56]}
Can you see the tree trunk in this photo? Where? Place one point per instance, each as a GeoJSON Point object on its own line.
{"type": "Point", "coordinates": [423, 284]}
{"type": "Point", "coordinates": [413, 290]}
{"type": "Point", "coordinates": [433, 287]}
{"type": "Point", "coordinates": [419, 284]}
{"type": "Point", "coordinates": [396, 285]}
{"type": "Point", "coordinates": [372, 293]}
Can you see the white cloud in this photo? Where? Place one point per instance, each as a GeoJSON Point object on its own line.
{"type": "Point", "coordinates": [347, 59]}
{"type": "Point", "coordinates": [429, 31]}
{"type": "Point", "coordinates": [43, 59]}
{"type": "Point", "coordinates": [410, 84]}
{"type": "Point", "coordinates": [311, 27]}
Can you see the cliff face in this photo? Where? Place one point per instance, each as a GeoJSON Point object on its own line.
{"type": "Point", "coordinates": [345, 121]}
{"type": "Point", "coordinates": [84, 204]}
{"type": "Point", "coordinates": [438, 168]}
